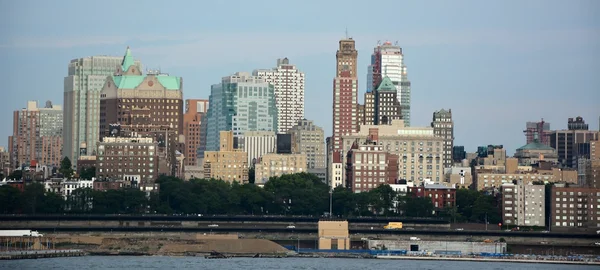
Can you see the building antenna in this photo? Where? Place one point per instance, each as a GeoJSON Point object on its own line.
{"type": "Point", "coordinates": [346, 32]}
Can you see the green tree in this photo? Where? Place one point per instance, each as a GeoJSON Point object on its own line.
{"type": "Point", "coordinates": [87, 173]}
{"type": "Point", "coordinates": [66, 168]}
{"type": "Point", "coordinates": [251, 175]}
{"type": "Point", "coordinates": [16, 175]}
{"type": "Point", "coordinates": [383, 199]}
{"type": "Point", "coordinates": [9, 200]}
{"type": "Point", "coordinates": [419, 207]}
{"type": "Point", "coordinates": [32, 198]}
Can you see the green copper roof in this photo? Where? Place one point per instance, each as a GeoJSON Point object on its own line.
{"type": "Point", "coordinates": [386, 85]}
{"type": "Point", "coordinates": [535, 146]}
{"type": "Point", "coordinates": [127, 60]}
{"type": "Point", "coordinates": [133, 81]}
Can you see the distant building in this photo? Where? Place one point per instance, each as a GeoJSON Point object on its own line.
{"type": "Point", "coordinates": [275, 165]}
{"type": "Point", "coordinates": [573, 143]}
{"type": "Point", "coordinates": [575, 209]}
{"type": "Point", "coordinates": [149, 106]}
{"type": "Point", "coordinates": [523, 204]}
{"type": "Point", "coordinates": [288, 84]}
{"type": "Point", "coordinates": [345, 93]}
{"type": "Point", "coordinates": [228, 164]}
{"type": "Point", "coordinates": [37, 136]}
{"type": "Point", "coordinates": [539, 131]}
{"type": "Point", "coordinates": [336, 171]}
{"type": "Point", "coordinates": [240, 103]}
{"type": "Point", "coordinates": [309, 139]}
{"type": "Point", "coordinates": [369, 165]}
{"type": "Point", "coordinates": [443, 126]}
{"type": "Point", "coordinates": [458, 153]}
{"type": "Point", "coordinates": [81, 126]}
{"type": "Point", "coordinates": [388, 60]}
{"type": "Point", "coordinates": [592, 168]}
{"type": "Point", "coordinates": [419, 150]}
{"type": "Point", "coordinates": [534, 152]}
{"type": "Point", "coordinates": [115, 155]}
{"type": "Point", "coordinates": [493, 177]}
{"type": "Point", "coordinates": [192, 119]}
{"type": "Point", "coordinates": [441, 196]}
{"type": "Point", "coordinates": [459, 176]}
{"type": "Point", "coordinates": [5, 168]}
{"type": "Point", "coordinates": [257, 144]}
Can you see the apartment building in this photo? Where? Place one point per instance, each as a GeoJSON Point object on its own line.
{"type": "Point", "coordinates": [575, 208]}
{"type": "Point", "coordinates": [227, 164]}
{"type": "Point", "coordinates": [523, 204]}
{"type": "Point", "coordinates": [369, 165]}
{"type": "Point", "coordinates": [275, 165]}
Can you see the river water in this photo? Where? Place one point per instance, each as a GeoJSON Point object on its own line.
{"type": "Point", "coordinates": [158, 262]}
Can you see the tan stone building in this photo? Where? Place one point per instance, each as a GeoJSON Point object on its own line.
{"type": "Point", "coordinates": [458, 177]}
{"type": "Point", "coordinates": [227, 164]}
{"type": "Point", "coordinates": [489, 178]}
{"type": "Point", "coordinates": [272, 165]}
{"type": "Point", "coordinates": [419, 150]}
{"type": "Point", "coordinates": [309, 139]}
{"type": "Point", "coordinates": [334, 235]}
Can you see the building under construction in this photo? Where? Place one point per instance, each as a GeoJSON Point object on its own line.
{"type": "Point", "coordinates": [539, 131]}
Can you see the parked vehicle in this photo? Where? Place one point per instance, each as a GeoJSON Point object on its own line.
{"type": "Point", "coordinates": [291, 227]}
{"type": "Point", "coordinates": [15, 233]}
{"type": "Point", "coordinates": [460, 229]}
{"type": "Point", "coordinates": [213, 225]}
{"type": "Point", "coordinates": [415, 239]}
{"type": "Point", "coordinates": [393, 226]}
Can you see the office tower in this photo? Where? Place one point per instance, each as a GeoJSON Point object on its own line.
{"type": "Point", "coordinates": [572, 143]}
{"type": "Point", "coordinates": [388, 60]}
{"type": "Point", "coordinates": [149, 106]}
{"type": "Point", "coordinates": [387, 107]}
{"type": "Point", "coordinates": [537, 131]}
{"type": "Point", "coordinates": [369, 112]}
{"type": "Point", "coordinates": [345, 93]}
{"type": "Point", "coordinates": [443, 126]}
{"type": "Point", "coordinates": [37, 135]}
{"type": "Point", "coordinates": [288, 83]}
{"type": "Point", "coordinates": [240, 103]}
{"type": "Point", "coordinates": [192, 119]}
{"type": "Point", "coordinates": [309, 139]}
{"type": "Point", "coordinates": [86, 77]}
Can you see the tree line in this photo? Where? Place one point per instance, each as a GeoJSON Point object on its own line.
{"type": "Point", "coordinates": [294, 194]}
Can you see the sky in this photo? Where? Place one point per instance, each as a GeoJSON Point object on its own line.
{"type": "Point", "coordinates": [496, 64]}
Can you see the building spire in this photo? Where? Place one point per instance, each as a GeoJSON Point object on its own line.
{"type": "Point", "coordinates": [127, 60]}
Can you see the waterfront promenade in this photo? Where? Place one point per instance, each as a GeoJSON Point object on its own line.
{"type": "Point", "coordinates": [514, 259]}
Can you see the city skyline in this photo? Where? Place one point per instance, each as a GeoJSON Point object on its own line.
{"type": "Point", "coordinates": [495, 76]}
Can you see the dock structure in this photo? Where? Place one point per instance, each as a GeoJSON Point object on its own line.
{"type": "Point", "coordinates": [39, 254]}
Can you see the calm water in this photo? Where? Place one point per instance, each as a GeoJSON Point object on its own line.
{"type": "Point", "coordinates": [123, 262]}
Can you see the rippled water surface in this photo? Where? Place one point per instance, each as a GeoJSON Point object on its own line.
{"type": "Point", "coordinates": [126, 262]}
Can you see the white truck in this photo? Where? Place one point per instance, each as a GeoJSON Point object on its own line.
{"type": "Point", "coordinates": [19, 233]}
{"type": "Point", "coordinates": [415, 238]}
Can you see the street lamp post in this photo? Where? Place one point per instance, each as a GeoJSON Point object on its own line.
{"type": "Point", "coordinates": [330, 203]}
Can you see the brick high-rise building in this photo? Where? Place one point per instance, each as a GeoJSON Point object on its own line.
{"type": "Point", "coordinates": [345, 93]}
{"type": "Point", "coordinates": [37, 135]}
{"type": "Point", "coordinates": [148, 105]}
{"type": "Point", "coordinates": [443, 126]}
{"type": "Point", "coordinates": [387, 106]}
{"type": "Point", "coordinates": [195, 109]}
{"type": "Point", "coordinates": [575, 209]}
{"type": "Point", "coordinates": [288, 84]}
{"type": "Point", "coordinates": [369, 165]}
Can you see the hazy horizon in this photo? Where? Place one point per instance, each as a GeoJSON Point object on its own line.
{"type": "Point", "coordinates": [497, 65]}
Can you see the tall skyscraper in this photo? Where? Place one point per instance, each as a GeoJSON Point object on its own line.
{"type": "Point", "coordinates": [148, 106]}
{"type": "Point", "coordinates": [388, 60]}
{"type": "Point", "coordinates": [82, 86]}
{"type": "Point", "coordinates": [192, 119]}
{"type": "Point", "coordinates": [309, 139]}
{"type": "Point", "coordinates": [345, 93]}
{"type": "Point", "coordinates": [37, 135]}
{"type": "Point", "coordinates": [443, 126]}
{"type": "Point", "coordinates": [288, 84]}
{"type": "Point", "coordinates": [240, 103]}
